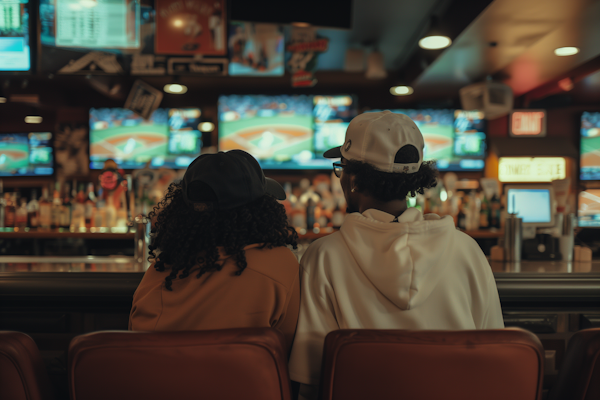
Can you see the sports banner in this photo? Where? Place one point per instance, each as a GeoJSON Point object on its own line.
{"type": "Point", "coordinates": [304, 47]}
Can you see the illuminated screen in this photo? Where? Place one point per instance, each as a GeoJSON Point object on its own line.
{"type": "Point", "coordinates": [256, 49]}
{"type": "Point", "coordinates": [589, 167]}
{"type": "Point", "coordinates": [26, 154]}
{"type": "Point", "coordinates": [454, 138]}
{"type": "Point", "coordinates": [588, 212]}
{"type": "Point", "coordinates": [90, 23]}
{"type": "Point", "coordinates": [277, 130]}
{"type": "Point", "coordinates": [532, 205]}
{"type": "Point", "coordinates": [169, 138]}
{"type": "Point", "coordinates": [14, 35]}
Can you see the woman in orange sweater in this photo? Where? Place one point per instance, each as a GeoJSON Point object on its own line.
{"type": "Point", "coordinates": [220, 255]}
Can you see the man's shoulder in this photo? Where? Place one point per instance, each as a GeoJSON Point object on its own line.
{"type": "Point", "coordinates": [322, 250]}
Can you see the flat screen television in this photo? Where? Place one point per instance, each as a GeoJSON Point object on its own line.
{"type": "Point", "coordinates": [589, 164]}
{"type": "Point", "coordinates": [256, 49]}
{"type": "Point", "coordinates": [332, 116]}
{"type": "Point", "coordinates": [169, 138]}
{"type": "Point", "coordinates": [15, 54]}
{"type": "Point", "coordinates": [454, 138]}
{"type": "Point", "coordinates": [588, 212]}
{"type": "Point", "coordinates": [277, 130]}
{"type": "Point", "coordinates": [26, 154]}
{"type": "Point", "coordinates": [102, 24]}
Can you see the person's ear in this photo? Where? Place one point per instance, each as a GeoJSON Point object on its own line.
{"type": "Point", "coordinates": [353, 187]}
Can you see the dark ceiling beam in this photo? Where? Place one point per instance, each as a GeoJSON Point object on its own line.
{"type": "Point", "coordinates": [561, 84]}
{"type": "Point", "coordinates": [457, 17]}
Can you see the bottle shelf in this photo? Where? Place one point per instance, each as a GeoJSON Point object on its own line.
{"type": "Point", "coordinates": [91, 233]}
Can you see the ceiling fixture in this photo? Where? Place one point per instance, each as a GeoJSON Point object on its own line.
{"type": "Point", "coordinates": [401, 90]}
{"type": "Point", "coordinates": [566, 51]}
{"type": "Point", "coordinates": [33, 119]}
{"type": "Point", "coordinates": [3, 99]}
{"type": "Point", "coordinates": [301, 24]}
{"type": "Point", "coordinates": [175, 88]}
{"type": "Point", "coordinates": [435, 42]}
{"type": "Point", "coordinates": [206, 126]}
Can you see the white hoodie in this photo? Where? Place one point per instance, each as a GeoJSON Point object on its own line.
{"type": "Point", "coordinates": [419, 273]}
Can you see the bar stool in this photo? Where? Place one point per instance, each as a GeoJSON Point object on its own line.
{"type": "Point", "coordinates": [245, 363]}
{"type": "Point", "coordinates": [451, 365]}
{"type": "Point", "coordinates": [579, 375]}
{"type": "Point", "coordinates": [23, 375]}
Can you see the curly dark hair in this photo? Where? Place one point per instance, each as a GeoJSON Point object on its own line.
{"type": "Point", "coordinates": [387, 186]}
{"type": "Point", "coordinates": [188, 236]}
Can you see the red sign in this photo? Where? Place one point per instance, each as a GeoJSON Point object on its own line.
{"type": "Point", "coordinates": [528, 123]}
{"type": "Point", "coordinates": [189, 27]}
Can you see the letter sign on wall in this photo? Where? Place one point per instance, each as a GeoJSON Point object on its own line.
{"type": "Point", "coordinates": [527, 123]}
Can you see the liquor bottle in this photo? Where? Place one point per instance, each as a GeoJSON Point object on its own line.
{"type": "Point", "coordinates": [66, 208]}
{"type": "Point", "coordinates": [77, 220]}
{"type": "Point", "coordinates": [33, 211]}
{"type": "Point", "coordinates": [56, 206]}
{"type": "Point", "coordinates": [90, 205]}
{"type": "Point", "coordinates": [21, 215]}
{"type": "Point", "coordinates": [2, 205]}
{"type": "Point", "coordinates": [45, 210]}
{"type": "Point", "coordinates": [310, 214]}
{"type": "Point", "coordinates": [10, 210]}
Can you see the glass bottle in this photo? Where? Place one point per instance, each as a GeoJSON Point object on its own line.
{"type": "Point", "coordinates": [33, 211]}
{"type": "Point", "coordinates": [45, 210]}
{"type": "Point", "coordinates": [66, 208]}
{"type": "Point", "coordinates": [21, 215]}
{"type": "Point", "coordinates": [10, 210]}
{"type": "Point", "coordinates": [56, 206]}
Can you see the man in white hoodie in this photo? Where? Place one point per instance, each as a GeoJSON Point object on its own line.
{"type": "Point", "coordinates": [389, 266]}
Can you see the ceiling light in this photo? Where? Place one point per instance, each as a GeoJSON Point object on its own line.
{"type": "Point", "coordinates": [206, 126]}
{"type": "Point", "coordinates": [3, 99]}
{"type": "Point", "coordinates": [566, 51]}
{"type": "Point", "coordinates": [33, 119]}
{"type": "Point", "coordinates": [301, 24]}
{"type": "Point", "coordinates": [435, 42]}
{"type": "Point", "coordinates": [175, 88]}
{"type": "Point", "coordinates": [401, 90]}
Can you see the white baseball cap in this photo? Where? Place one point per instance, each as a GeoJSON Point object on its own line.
{"type": "Point", "coordinates": [381, 139]}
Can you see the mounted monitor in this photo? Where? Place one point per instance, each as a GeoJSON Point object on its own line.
{"type": "Point", "coordinates": [533, 203]}
{"type": "Point", "coordinates": [26, 154]}
{"type": "Point", "coordinates": [588, 213]}
{"type": "Point", "coordinates": [332, 116]}
{"type": "Point", "coordinates": [454, 138]}
{"type": "Point", "coordinates": [15, 54]}
{"type": "Point", "coordinates": [169, 138]}
{"type": "Point", "coordinates": [277, 130]}
{"type": "Point", "coordinates": [589, 167]}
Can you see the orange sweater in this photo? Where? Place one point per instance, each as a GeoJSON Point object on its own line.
{"type": "Point", "coordinates": [266, 294]}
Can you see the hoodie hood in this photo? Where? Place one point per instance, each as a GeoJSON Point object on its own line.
{"type": "Point", "coordinates": [402, 260]}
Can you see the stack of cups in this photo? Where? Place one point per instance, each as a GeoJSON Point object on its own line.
{"type": "Point", "coordinates": [567, 239]}
{"type": "Point", "coordinates": [513, 238]}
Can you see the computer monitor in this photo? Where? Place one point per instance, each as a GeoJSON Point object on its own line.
{"type": "Point", "coordinates": [26, 154]}
{"type": "Point", "coordinates": [588, 212]}
{"type": "Point", "coordinates": [589, 167]}
{"type": "Point", "coordinates": [277, 130]}
{"type": "Point", "coordinates": [15, 54]}
{"type": "Point", "coordinates": [169, 138]}
{"type": "Point", "coordinates": [454, 138]}
{"type": "Point", "coordinates": [535, 204]}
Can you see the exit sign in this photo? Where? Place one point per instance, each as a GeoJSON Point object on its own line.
{"type": "Point", "coordinates": [528, 123]}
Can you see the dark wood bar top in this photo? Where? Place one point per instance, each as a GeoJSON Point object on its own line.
{"type": "Point", "coordinates": [90, 233]}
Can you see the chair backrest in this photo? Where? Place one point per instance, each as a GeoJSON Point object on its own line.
{"type": "Point", "coordinates": [246, 363]}
{"type": "Point", "coordinates": [23, 375]}
{"type": "Point", "coordinates": [451, 365]}
{"type": "Point", "coordinates": [579, 375]}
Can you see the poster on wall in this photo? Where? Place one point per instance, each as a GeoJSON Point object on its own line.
{"type": "Point", "coordinates": [71, 150]}
{"type": "Point", "coordinates": [256, 49]}
{"type": "Point", "coordinates": [304, 47]}
{"type": "Point", "coordinates": [191, 27]}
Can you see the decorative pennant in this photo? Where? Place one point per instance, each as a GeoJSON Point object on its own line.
{"type": "Point", "coordinates": [143, 99]}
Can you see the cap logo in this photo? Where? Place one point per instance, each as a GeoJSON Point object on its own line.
{"type": "Point", "coordinates": [347, 145]}
{"type": "Point", "coordinates": [405, 170]}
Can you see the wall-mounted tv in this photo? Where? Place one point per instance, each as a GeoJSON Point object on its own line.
{"type": "Point", "coordinates": [15, 54]}
{"type": "Point", "coordinates": [588, 212]}
{"type": "Point", "coordinates": [589, 164]}
{"type": "Point", "coordinates": [26, 154]}
{"type": "Point", "coordinates": [454, 138]}
{"type": "Point", "coordinates": [169, 138]}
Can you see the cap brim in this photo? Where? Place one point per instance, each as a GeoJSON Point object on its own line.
{"type": "Point", "coordinates": [336, 152]}
{"type": "Point", "coordinates": [274, 188]}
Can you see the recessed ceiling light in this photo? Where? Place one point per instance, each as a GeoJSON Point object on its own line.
{"type": "Point", "coordinates": [206, 126]}
{"type": "Point", "coordinates": [301, 24]}
{"type": "Point", "coordinates": [175, 88]}
{"type": "Point", "coordinates": [33, 119]}
{"type": "Point", "coordinates": [401, 90]}
{"type": "Point", "coordinates": [566, 51]}
{"type": "Point", "coordinates": [435, 42]}
{"type": "Point", "coordinates": [3, 99]}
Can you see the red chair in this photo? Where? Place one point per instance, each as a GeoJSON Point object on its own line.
{"type": "Point", "coordinates": [451, 365]}
{"type": "Point", "coordinates": [23, 375]}
{"type": "Point", "coordinates": [246, 363]}
{"type": "Point", "coordinates": [579, 375]}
